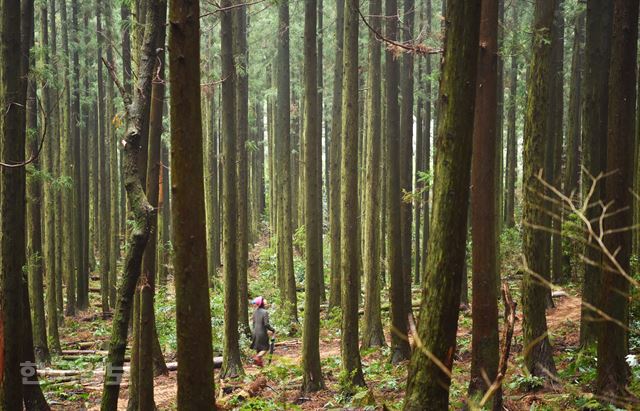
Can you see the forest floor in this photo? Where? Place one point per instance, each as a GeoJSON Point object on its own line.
{"type": "Point", "coordinates": [276, 386]}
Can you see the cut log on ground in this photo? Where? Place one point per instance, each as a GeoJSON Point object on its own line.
{"type": "Point", "coordinates": [58, 373]}
{"type": "Point", "coordinates": [217, 364]}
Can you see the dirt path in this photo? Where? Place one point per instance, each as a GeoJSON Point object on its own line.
{"type": "Point", "coordinates": [567, 311]}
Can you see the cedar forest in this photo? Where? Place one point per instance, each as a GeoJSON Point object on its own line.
{"type": "Point", "coordinates": [438, 199]}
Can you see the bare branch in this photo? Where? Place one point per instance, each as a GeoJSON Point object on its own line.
{"type": "Point", "coordinates": [112, 72]}
{"type": "Point", "coordinates": [419, 49]}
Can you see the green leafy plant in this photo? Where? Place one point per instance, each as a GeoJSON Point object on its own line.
{"type": "Point", "coordinates": [526, 382]}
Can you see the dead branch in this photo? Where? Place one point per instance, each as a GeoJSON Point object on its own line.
{"type": "Point", "coordinates": [114, 76]}
{"type": "Point", "coordinates": [581, 213]}
{"type": "Point", "coordinates": [34, 156]}
{"type": "Point", "coordinates": [507, 337]}
{"type": "Point", "coordinates": [219, 8]}
{"type": "Point", "coordinates": [395, 46]}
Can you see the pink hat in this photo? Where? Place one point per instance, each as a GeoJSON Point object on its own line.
{"type": "Point", "coordinates": [259, 301]}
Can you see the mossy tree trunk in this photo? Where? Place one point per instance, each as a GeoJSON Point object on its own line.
{"type": "Point", "coordinates": [193, 317]}
{"type": "Point", "coordinates": [104, 196]}
{"type": "Point", "coordinates": [613, 344]}
{"type": "Point", "coordinates": [312, 373]}
{"type": "Point", "coordinates": [535, 292]}
{"type": "Point", "coordinates": [512, 139]}
{"type": "Point", "coordinates": [426, 206]}
{"type": "Point", "coordinates": [419, 167]}
{"type": "Point", "coordinates": [571, 176]}
{"type": "Point", "coordinates": [214, 188]}
{"type": "Point", "coordinates": [428, 385]}
{"type": "Point", "coordinates": [34, 399]}
{"type": "Point", "coordinates": [34, 204]}
{"type": "Point", "coordinates": [12, 206]}
{"type": "Point", "coordinates": [406, 150]}
{"type": "Point", "coordinates": [146, 353]}
{"type": "Point", "coordinates": [400, 349]}
{"type": "Point", "coordinates": [350, 268]}
{"type": "Point", "coordinates": [334, 164]}
{"type": "Point", "coordinates": [594, 140]}
{"type": "Point", "coordinates": [86, 157]}
{"type": "Point", "coordinates": [165, 210]}
{"type": "Point", "coordinates": [112, 144]}
{"type": "Point", "coordinates": [484, 217]}
{"type": "Point", "coordinates": [499, 146]}
{"type": "Point", "coordinates": [242, 130]}
{"type": "Point", "coordinates": [81, 276]}
{"type": "Point", "coordinates": [555, 142]}
{"type": "Point", "coordinates": [50, 209]}
{"type": "Point", "coordinates": [66, 157]}
{"type": "Point", "coordinates": [322, 126]}
{"type": "Point", "coordinates": [283, 164]}
{"type": "Point", "coordinates": [58, 165]}
{"type": "Point", "coordinates": [232, 365]}
{"type": "Point", "coordinates": [140, 211]}
{"type": "Point", "coordinates": [372, 333]}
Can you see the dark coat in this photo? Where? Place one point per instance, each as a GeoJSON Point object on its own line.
{"type": "Point", "coordinates": [260, 340]}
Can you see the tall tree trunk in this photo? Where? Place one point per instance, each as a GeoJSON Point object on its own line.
{"type": "Point", "coordinates": [34, 206]}
{"type": "Point", "coordinates": [613, 345]}
{"type": "Point", "coordinates": [555, 143]}
{"type": "Point", "coordinates": [334, 163]}
{"type": "Point", "coordinates": [242, 130]}
{"type": "Point", "coordinates": [499, 146]}
{"type": "Point", "coordinates": [140, 211]}
{"type": "Point", "coordinates": [312, 373]}
{"type": "Point", "coordinates": [400, 349]}
{"type": "Point", "coordinates": [211, 191]}
{"type": "Point", "coordinates": [50, 201]}
{"type": "Point", "coordinates": [80, 275]}
{"type": "Point", "coordinates": [426, 206]}
{"type": "Point", "coordinates": [66, 157]}
{"type": "Point", "coordinates": [419, 167]}
{"type": "Point", "coordinates": [571, 177]}
{"type": "Point", "coordinates": [12, 206]}
{"type": "Point", "coordinates": [349, 199]}
{"type": "Point", "coordinates": [512, 139]}
{"type": "Point", "coordinates": [146, 353]}
{"type": "Point", "coordinates": [406, 150]}
{"type": "Point", "coordinates": [283, 161]}
{"type": "Point", "coordinates": [103, 175]}
{"type": "Point", "coordinates": [58, 168]}
{"type": "Point", "coordinates": [88, 118]}
{"type": "Point", "coordinates": [372, 334]}
{"type": "Point", "coordinates": [320, 123]}
{"type": "Point", "coordinates": [428, 385]}
{"type": "Point", "coordinates": [95, 232]}
{"type": "Point", "coordinates": [594, 140]}
{"type": "Point", "coordinates": [165, 209]}
{"type": "Point", "coordinates": [232, 366]}
{"type": "Point", "coordinates": [535, 289]}
{"type": "Point", "coordinates": [195, 355]}
{"type": "Point", "coordinates": [484, 218]}
{"type": "Point", "coordinates": [112, 143]}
